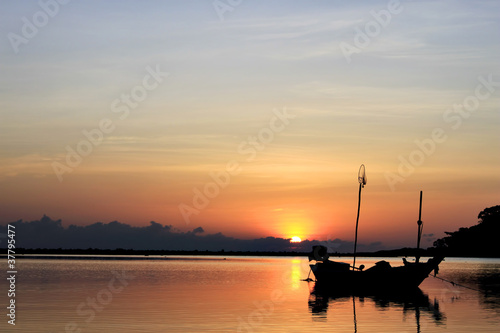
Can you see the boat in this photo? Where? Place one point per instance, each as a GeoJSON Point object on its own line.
{"type": "Point", "coordinates": [380, 277]}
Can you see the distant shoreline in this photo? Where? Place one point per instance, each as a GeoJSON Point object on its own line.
{"type": "Point", "coordinates": [159, 254]}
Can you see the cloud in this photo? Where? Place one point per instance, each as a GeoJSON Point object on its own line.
{"type": "Point", "coordinates": [429, 238]}
{"type": "Point", "coordinates": [198, 230]}
{"type": "Point", "coordinates": [51, 234]}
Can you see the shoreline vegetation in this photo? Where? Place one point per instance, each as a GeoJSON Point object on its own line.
{"type": "Point", "coordinates": [477, 241]}
{"type": "Point", "coordinates": [158, 254]}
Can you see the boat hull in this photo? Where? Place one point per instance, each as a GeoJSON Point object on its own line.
{"type": "Point", "coordinates": [382, 276]}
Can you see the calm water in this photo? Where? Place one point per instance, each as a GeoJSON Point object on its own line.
{"type": "Point", "coordinates": [250, 294]}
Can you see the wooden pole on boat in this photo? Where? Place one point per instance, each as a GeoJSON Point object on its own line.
{"type": "Point", "coordinates": [419, 223]}
{"type": "Point", "coordinates": [362, 183]}
{"type": "Point", "coordinates": [356, 234]}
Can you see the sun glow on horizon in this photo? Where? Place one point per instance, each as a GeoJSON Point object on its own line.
{"type": "Point", "coordinates": [295, 239]}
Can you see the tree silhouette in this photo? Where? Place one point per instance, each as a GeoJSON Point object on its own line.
{"type": "Point", "coordinates": [490, 215]}
{"type": "Point", "coordinates": [480, 240]}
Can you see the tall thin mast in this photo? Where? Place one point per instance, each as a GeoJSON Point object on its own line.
{"type": "Point", "coordinates": [420, 228]}
{"type": "Point", "coordinates": [362, 183]}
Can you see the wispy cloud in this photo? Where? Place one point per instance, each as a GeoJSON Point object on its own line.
{"type": "Point", "coordinates": [225, 79]}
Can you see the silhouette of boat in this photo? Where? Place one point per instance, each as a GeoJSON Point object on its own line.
{"type": "Point", "coordinates": [381, 277]}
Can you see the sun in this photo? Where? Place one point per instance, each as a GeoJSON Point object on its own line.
{"type": "Point", "coordinates": [295, 239]}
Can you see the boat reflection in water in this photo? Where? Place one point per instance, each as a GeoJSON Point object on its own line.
{"type": "Point", "coordinates": [410, 302]}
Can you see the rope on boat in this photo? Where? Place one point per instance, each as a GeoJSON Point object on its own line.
{"type": "Point", "coordinates": [455, 284]}
{"type": "Point", "coordinates": [437, 277]}
{"type": "Point", "coordinates": [308, 278]}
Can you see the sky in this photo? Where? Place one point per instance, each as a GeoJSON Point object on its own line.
{"type": "Point", "coordinates": [251, 118]}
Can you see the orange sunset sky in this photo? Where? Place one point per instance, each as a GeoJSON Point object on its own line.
{"type": "Point", "coordinates": [124, 111]}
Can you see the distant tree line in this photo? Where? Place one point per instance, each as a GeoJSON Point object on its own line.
{"type": "Point", "coordinates": [480, 240]}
